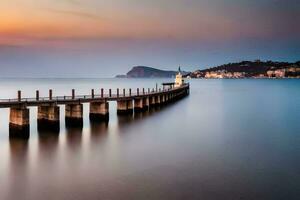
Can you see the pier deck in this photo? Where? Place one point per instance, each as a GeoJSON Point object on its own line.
{"type": "Point", "coordinates": [49, 112]}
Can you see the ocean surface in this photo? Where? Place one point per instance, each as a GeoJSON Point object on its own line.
{"type": "Point", "coordinates": [229, 139]}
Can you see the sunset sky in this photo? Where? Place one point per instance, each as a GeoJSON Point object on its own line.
{"type": "Point", "coordinates": [97, 38]}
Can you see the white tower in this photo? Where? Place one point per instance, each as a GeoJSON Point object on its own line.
{"type": "Point", "coordinates": [179, 81]}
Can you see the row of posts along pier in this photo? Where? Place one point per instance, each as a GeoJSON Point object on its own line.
{"type": "Point", "coordinates": [49, 113]}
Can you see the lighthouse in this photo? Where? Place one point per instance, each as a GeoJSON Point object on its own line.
{"type": "Point", "coordinates": [179, 81]}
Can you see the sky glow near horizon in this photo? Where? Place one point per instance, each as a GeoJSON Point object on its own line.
{"type": "Point", "coordinates": [97, 38]}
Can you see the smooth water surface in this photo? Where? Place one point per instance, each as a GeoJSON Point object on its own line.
{"type": "Point", "coordinates": [230, 139]}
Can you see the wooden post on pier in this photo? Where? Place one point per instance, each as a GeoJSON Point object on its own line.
{"type": "Point", "coordinates": [148, 90]}
{"type": "Point", "coordinates": [93, 93]}
{"type": "Point", "coordinates": [117, 92]}
{"type": "Point", "coordinates": [129, 91]}
{"type": "Point", "coordinates": [19, 95]}
{"type": "Point", "coordinates": [137, 91]}
{"type": "Point", "coordinates": [102, 92]}
{"type": "Point", "coordinates": [73, 94]}
{"type": "Point", "coordinates": [143, 91]}
{"type": "Point", "coordinates": [124, 92]}
{"type": "Point", "coordinates": [37, 95]}
{"type": "Point", "coordinates": [50, 94]}
{"type": "Point", "coordinates": [109, 92]}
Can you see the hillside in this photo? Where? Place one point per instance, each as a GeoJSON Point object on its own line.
{"type": "Point", "coordinates": [250, 69]}
{"type": "Point", "coordinates": [148, 72]}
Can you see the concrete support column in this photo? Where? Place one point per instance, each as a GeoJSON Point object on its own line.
{"type": "Point", "coordinates": [124, 107]}
{"type": "Point", "coordinates": [152, 101]}
{"type": "Point", "coordinates": [170, 97]}
{"type": "Point", "coordinates": [167, 98]}
{"type": "Point", "coordinates": [19, 123]}
{"type": "Point", "coordinates": [138, 105]}
{"type": "Point", "coordinates": [146, 103]}
{"type": "Point", "coordinates": [99, 111]}
{"type": "Point", "coordinates": [157, 100]}
{"type": "Point", "coordinates": [130, 106]}
{"type": "Point", "coordinates": [74, 115]}
{"type": "Point", "coordinates": [48, 118]}
{"type": "Point", "coordinates": [163, 99]}
{"type": "Point", "coordinates": [175, 95]}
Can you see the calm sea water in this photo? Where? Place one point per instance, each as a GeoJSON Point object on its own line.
{"type": "Point", "coordinates": [230, 139]}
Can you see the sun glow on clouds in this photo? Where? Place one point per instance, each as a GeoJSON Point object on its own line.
{"type": "Point", "coordinates": [24, 22]}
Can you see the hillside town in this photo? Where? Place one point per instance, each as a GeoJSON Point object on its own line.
{"type": "Point", "coordinates": [248, 69]}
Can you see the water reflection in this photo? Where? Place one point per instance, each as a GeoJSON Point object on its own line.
{"type": "Point", "coordinates": [99, 130]}
{"type": "Point", "coordinates": [124, 121]}
{"type": "Point", "coordinates": [48, 142]}
{"type": "Point", "coordinates": [215, 139]}
{"type": "Point", "coordinates": [17, 183]}
{"type": "Point", "coordinates": [73, 137]}
{"type": "Point", "coordinates": [18, 150]}
{"type": "Point", "coordinates": [19, 132]}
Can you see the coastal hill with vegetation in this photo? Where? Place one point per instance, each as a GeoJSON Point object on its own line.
{"type": "Point", "coordinates": [149, 72]}
{"type": "Point", "coordinates": [251, 69]}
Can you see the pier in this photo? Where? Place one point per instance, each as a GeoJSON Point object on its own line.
{"type": "Point", "coordinates": [128, 102]}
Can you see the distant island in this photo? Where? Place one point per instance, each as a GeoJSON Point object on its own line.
{"type": "Point", "coordinates": [244, 69]}
{"type": "Point", "coordinates": [149, 72]}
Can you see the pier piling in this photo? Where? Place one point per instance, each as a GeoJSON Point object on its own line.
{"type": "Point", "coordinates": [48, 118]}
{"type": "Point", "coordinates": [19, 126]}
{"type": "Point", "coordinates": [124, 107]}
{"type": "Point", "coordinates": [99, 111]}
{"type": "Point", "coordinates": [138, 105]}
{"type": "Point", "coordinates": [74, 115]}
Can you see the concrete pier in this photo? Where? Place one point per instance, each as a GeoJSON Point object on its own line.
{"type": "Point", "coordinates": [74, 115]}
{"type": "Point", "coordinates": [99, 111]}
{"type": "Point", "coordinates": [19, 122]}
{"type": "Point", "coordinates": [124, 107]}
{"type": "Point", "coordinates": [49, 112]}
{"type": "Point", "coordinates": [48, 118]}
{"type": "Point", "coordinates": [139, 105]}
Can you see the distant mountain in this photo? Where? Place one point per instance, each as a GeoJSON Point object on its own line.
{"type": "Point", "coordinates": [148, 72]}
